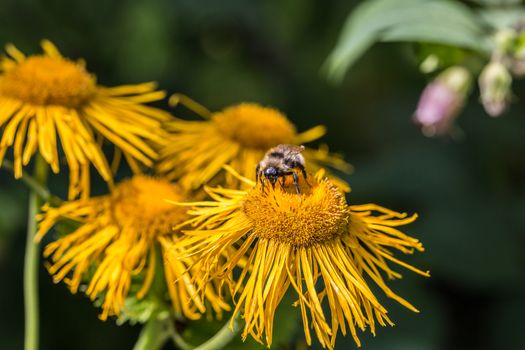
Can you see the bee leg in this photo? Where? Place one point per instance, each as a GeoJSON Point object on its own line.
{"type": "Point", "coordinates": [303, 171]}
{"type": "Point", "coordinates": [257, 173]}
{"type": "Point", "coordinates": [296, 182]}
{"type": "Point", "coordinates": [282, 183]}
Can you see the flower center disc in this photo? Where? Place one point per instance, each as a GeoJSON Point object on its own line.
{"type": "Point", "coordinates": [42, 80]}
{"type": "Point", "coordinates": [317, 215]}
{"type": "Point", "coordinates": [142, 203]}
{"type": "Point", "coordinates": [254, 126]}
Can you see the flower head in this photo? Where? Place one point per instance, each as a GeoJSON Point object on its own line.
{"type": "Point", "coordinates": [237, 136]}
{"type": "Point", "coordinates": [442, 100]}
{"type": "Point", "coordinates": [283, 240]}
{"type": "Point", "coordinates": [114, 246]}
{"type": "Point", "coordinates": [48, 101]}
{"type": "Point", "coordinates": [495, 85]}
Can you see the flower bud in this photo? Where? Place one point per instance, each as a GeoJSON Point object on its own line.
{"type": "Point", "coordinates": [442, 100]}
{"type": "Point", "coordinates": [495, 87]}
{"type": "Point", "coordinates": [505, 41]}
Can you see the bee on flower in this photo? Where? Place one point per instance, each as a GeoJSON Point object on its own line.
{"type": "Point", "coordinates": [49, 102]}
{"type": "Point", "coordinates": [237, 136]}
{"type": "Point", "coordinates": [279, 162]}
{"type": "Point", "coordinates": [115, 245]}
{"type": "Point", "coordinates": [314, 243]}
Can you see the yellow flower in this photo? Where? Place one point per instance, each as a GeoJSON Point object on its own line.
{"type": "Point", "coordinates": [314, 243]}
{"type": "Point", "coordinates": [46, 96]}
{"type": "Point", "coordinates": [115, 245]}
{"type": "Point", "coordinates": [237, 136]}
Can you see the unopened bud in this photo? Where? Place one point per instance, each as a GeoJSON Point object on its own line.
{"type": "Point", "coordinates": [442, 100]}
{"type": "Point", "coordinates": [495, 87]}
{"type": "Point", "coordinates": [505, 40]}
{"type": "Point", "coordinates": [429, 64]}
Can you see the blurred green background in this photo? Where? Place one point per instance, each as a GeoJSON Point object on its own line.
{"type": "Point", "coordinates": [470, 194]}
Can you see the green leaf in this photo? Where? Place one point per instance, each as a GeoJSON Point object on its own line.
{"type": "Point", "coordinates": [435, 21]}
{"type": "Point", "coordinates": [435, 32]}
{"type": "Point", "coordinates": [497, 3]}
{"type": "Point", "coordinates": [137, 311]}
{"type": "Point", "coordinates": [360, 31]}
{"type": "Point", "coordinates": [503, 18]}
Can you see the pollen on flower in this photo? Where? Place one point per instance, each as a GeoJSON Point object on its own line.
{"type": "Point", "coordinates": [140, 202]}
{"type": "Point", "coordinates": [319, 214]}
{"type": "Point", "coordinates": [254, 126]}
{"type": "Point", "coordinates": [45, 80]}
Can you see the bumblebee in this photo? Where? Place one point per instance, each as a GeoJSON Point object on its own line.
{"type": "Point", "coordinates": [279, 162]}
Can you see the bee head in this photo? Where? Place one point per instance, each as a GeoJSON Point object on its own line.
{"type": "Point", "coordinates": [271, 174]}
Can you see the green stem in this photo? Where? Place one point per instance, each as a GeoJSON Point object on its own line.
{"type": "Point", "coordinates": [32, 258]}
{"type": "Point", "coordinates": [177, 339]}
{"type": "Point", "coordinates": [159, 327]}
{"type": "Point", "coordinates": [153, 335]}
{"type": "Point", "coordinates": [222, 338]}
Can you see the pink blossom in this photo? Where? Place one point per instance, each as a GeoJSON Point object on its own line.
{"type": "Point", "coordinates": [442, 100]}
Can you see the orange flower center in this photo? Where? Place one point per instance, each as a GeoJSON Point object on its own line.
{"type": "Point", "coordinates": [43, 80]}
{"type": "Point", "coordinates": [254, 126]}
{"type": "Point", "coordinates": [319, 214]}
{"type": "Point", "coordinates": [143, 203]}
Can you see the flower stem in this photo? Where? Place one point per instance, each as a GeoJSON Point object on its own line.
{"type": "Point", "coordinates": [222, 338]}
{"type": "Point", "coordinates": [180, 342]}
{"type": "Point", "coordinates": [158, 329]}
{"type": "Point", "coordinates": [153, 335]}
{"type": "Point", "coordinates": [31, 258]}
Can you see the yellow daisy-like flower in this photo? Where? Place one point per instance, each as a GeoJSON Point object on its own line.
{"type": "Point", "coordinates": [45, 97]}
{"type": "Point", "coordinates": [115, 243]}
{"type": "Point", "coordinates": [237, 136]}
{"type": "Point", "coordinates": [314, 243]}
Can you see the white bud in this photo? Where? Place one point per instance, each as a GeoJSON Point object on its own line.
{"type": "Point", "coordinates": [495, 87]}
